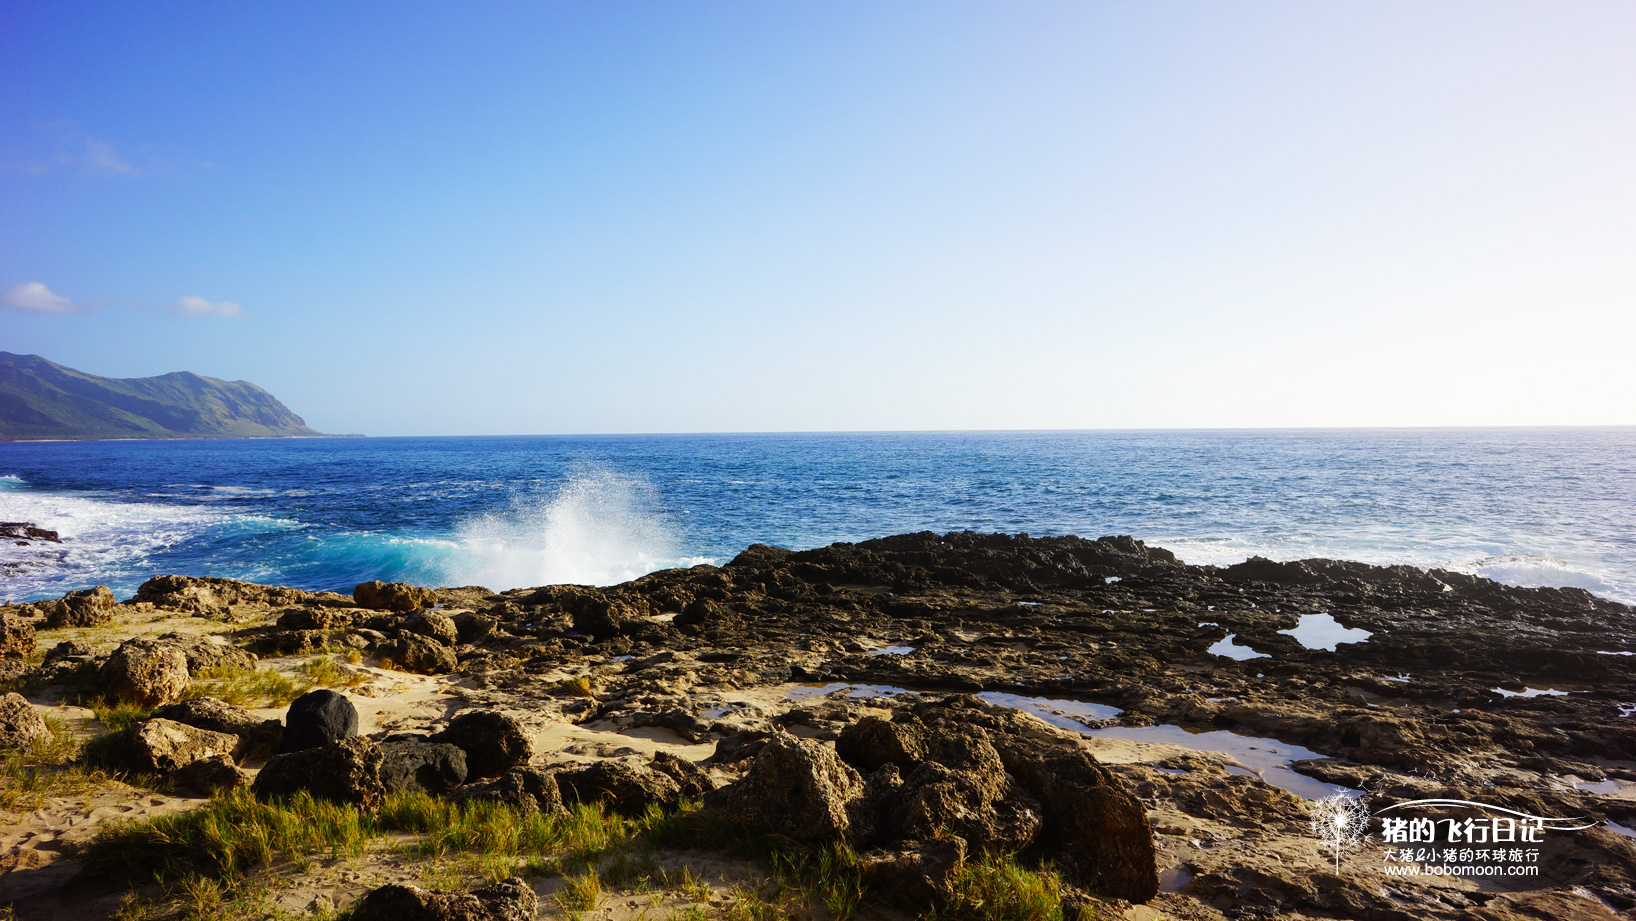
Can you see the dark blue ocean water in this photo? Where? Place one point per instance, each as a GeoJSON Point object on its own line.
{"type": "Point", "coordinates": [1545, 506]}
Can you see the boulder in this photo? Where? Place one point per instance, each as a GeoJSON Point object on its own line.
{"type": "Point", "coordinates": [470, 627]}
{"type": "Point", "coordinates": [691, 780]}
{"type": "Point", "coordinates": [432, 625]}
{"type": "Point", "coordinates": [161, 746]}
{"type": "Point", "coordinates": [494, 743]}
{"type": "Point", "coordinates": [967, 793]}
{"type": "Point", "coordinates": [1095, 826]}
{"type": "Point", "coordinates": [318, 718]}
{"type": "Point", "coordinates": [315, 618]}
{"type": "Point", "coordinates": [254, 733]}
{"type": "Point", "coordinates": [916, 875]}
{"type": "Point", "coordinates": [347, 771]}
{"type": "Point", "coordinates": [209, 775]}
{"type": "Point", "coordinates": [21, 726]}
{"type": "Point", "coordinates": [213, 597]}
{"type": "Point", "coordinates": [16, 637]}
{"type": "Point", "coordinates": [872, 742]}
{"type": "Point", "coordinates": [87, 608]}
{"type": "Point", "coordinates": [393, 596]}
{"type": "Point", "coordinates": [146, 673]}
{"type": "Point", "coordinates": [526, 789]}
{"type": "Point", "coordinates": [621, 787]}
{"type": "Point", "coordinates": [411, 652]}
{"type": "Point", "coordinates": [67, 649]}
{"type": "Point", "coordinates": [211, 652]}
{"type": "Point", "coordinates": [509, 900]}
{"type": "Point", "coordinates": [421, 767]}
{"type": "Point", "coordinates": [802, 790]}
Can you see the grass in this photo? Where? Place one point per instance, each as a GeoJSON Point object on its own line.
{"type": "Point", "coordinates": [582, 686]}
{"type": "Point", "coordinates": [206, 859]}
{"type": "Point", "coordinates": [30, 776]}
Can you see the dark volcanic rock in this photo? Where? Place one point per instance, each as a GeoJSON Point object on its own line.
{"type": "Point", "coordinates": [424, 767]}
{"type": "Point", "coordinates": [917, 875]}
{"type": "Point", "coordinates": [494, 743]}
{"type": "Point", "coordinates": [348, 771]}
{"type": "Point", "coordinates": [26, 531]}
{"type": "Point", "coordinates": [393, 596]}
{"type": "Point", "coordinates": [510, 900]}
{"type": "Point", "coordinates": [318, 718]}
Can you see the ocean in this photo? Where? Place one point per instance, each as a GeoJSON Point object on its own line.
{"type": "Point", "coordinates": [1522, 506]}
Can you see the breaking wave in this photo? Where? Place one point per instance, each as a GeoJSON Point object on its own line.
{"type": "Point", "coordinates": [598, 528]}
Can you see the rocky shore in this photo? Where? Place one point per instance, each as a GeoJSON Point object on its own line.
{"type": "Point", "coordinates": [1146, 736]}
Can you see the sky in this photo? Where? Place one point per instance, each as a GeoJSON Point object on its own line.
{"type": "Point", "coordinates": [495, 218]}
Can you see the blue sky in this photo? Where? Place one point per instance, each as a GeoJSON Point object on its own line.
{"type": "Point", "coordinates": [535, 218]}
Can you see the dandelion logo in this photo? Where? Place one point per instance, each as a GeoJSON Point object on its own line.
{"type": "Point", "coordinates": [1340, 821]}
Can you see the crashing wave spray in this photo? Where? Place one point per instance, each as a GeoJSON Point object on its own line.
{"type": "Point", "coordinates": [600, 528]}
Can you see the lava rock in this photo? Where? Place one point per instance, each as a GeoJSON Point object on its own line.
{"type": "Point", "coordinates": [494, 743]}
{"type": "Point", "coordinates": [690, 779]}
{"type": "Point", "coordinates": [318, 718]}
{"type": "Point", "coordinates": [509, 900]}
{"type": "Point", "coordinates": [872, 742]}
{"type": "Point", "coordinates": [393, 596]}
{"type": "Point", "coordinates": [146, 673]}
{"type": "Point", "coordinates": [432, 625]}
{"type": "Point", "coordinates": [421, 767]}
{"type": "Point", "coordinates": [916, 875]}
{"type": "Point", "coordinates": [347, 771]}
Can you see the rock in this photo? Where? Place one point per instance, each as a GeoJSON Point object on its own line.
{"type": "Point", "coordinates": [802, 790]}
{"type": "Point", "coordinates": [209, 775]}
{"type": "Point", "coordinates": [211, 652]}
{"type": "Point", "coordinates": [212, 597]}
{"type": "Point", "coordinates": [16, 637]}
{"type": "Point", "coordinates": [318, 718]}
{"type": "Point", "coordinates": [472, 627]}
{"type": "Point", "coordinates": [526, 789]}
{"type": "Point", "coordinates": [432, 625]}
{"type": "Point", "coordinates": [87, 608]}
{"type": "Point", "coordinates": [348, 771]}
{"type": "Point", "coordinates": [315, 618]}
{"type": "Point", "coordinates": [161, 746]}
{"type": "Point", "coordinates": [972, 796]}
{"type": "Point", "coordinates": [20, 725]}
{"type": "Point", "coordinates": [67, 649]}
{"type": "Point", "coordinates": [622, 787]}
{"type": "Point", "coordinates": [421, 767]}
{"type": "Point", "coordinates": [494, 743]}
{"type": "Point", "coordinates": [690, 779]}
{"type": "Point", "coordinates": [510, 900]}
{"type": "Point", "coordinates": [872, 742]}
{"type": "Point", "coordinates": [393, 596]}
{"type": "Point", "coordinates": [917, 875]}
{"type": "Point", "coordinates": [25, 531]}
{"type": "Point", "coordinates": [411, 652]}
{"type": "Point", "coordinates": [146, 673]}
{"type": "Point", "coordinates": [255, 734]}
{"type": "Point", "coordinates": [1097, 830]}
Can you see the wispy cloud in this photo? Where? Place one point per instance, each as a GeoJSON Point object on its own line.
{"type": "Point", "coordinates": [100, 158]}
{"type": "Point", "coordinates": [37, 297]}
{"type": "Point", "coordinates": [199, 307]}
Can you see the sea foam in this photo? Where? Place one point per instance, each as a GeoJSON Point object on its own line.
{"type": "Point", "coordinates": [599, 528]}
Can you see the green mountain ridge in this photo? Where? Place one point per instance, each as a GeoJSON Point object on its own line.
{"type": "Point", "coordinates": [42, 399]}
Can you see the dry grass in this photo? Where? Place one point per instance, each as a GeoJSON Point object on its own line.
{"type": "Point", "coordinates": [30, 776]}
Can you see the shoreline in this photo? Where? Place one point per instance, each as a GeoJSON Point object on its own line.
{"type": "Point", "coordinates": [1462, 688]}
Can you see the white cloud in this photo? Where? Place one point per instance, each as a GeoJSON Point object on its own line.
{"type": "Point", "coordinates": [35, 296]}
{"type": "Point", "coordinates": [199, 307]}
{"type": "Point", "coordinates": [100, 157]}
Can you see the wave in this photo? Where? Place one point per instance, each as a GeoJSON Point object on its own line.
{"type": "Point", "coordinates": [1529, 570]}
{"type": "Point", "coordinates": [598, 528]}
{"type": "Point", "coordinates": [12, 481]}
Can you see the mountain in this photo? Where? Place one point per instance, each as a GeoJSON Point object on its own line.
{"type": "Point", "coordinates": [42, 399]}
